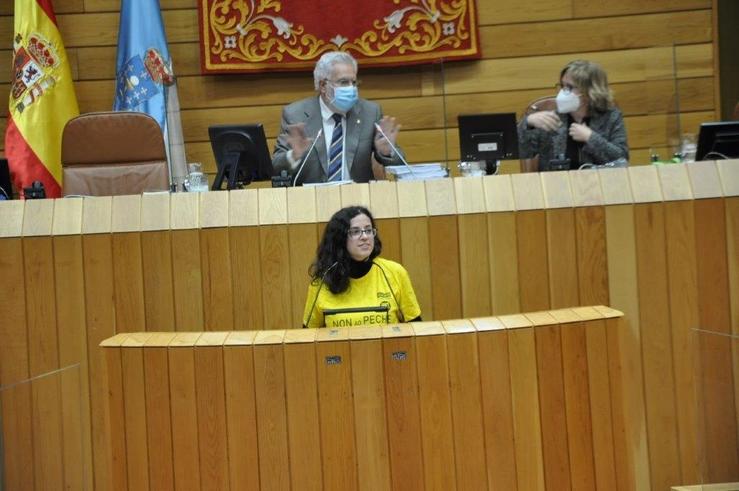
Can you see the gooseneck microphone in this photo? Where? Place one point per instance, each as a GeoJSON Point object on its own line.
{"type": "Point", "coordinates": [401, 317]}
{"type": "Point", "coordinates": [305, 158]}
{"type": "Point", "coordinates": [315, 299]}
{"type": "Point", "coordinates": [395, 150]}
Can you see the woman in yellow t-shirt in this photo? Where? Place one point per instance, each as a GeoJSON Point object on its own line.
{"type": "Point", "coordinates": [351, 285]}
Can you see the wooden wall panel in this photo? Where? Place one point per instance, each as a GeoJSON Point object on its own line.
{"type": "Point", "coordinates": [552, 407]}
{"type": "Point", "coordinates": [445, 274]}
{"type": "Point", "coordinates": [683, 294]}
{"type": "Point", "coordinates": [336, 415]}
{"type": "Point", "coordinates": [16, 403]}
{"type": "Point", "coordinates": [269, 385]}
{"type": "Point", "coordinates": [370, 417]}
{"type": "Point", "coordinates": [580, 432]}
{"type": "Point", "coordinates": [303, 239]}
{"type": "Point", "coordinates": [275, 255]}
{"type": "Point", "coordinates": [185, 444]}
{"type": "Point", "coordinates": [632, 454]}
{"type": "Point", "coordinates": [503, 254]}
{"type": "Point", "coordinates": [656, 345]}
{"type": "Point", "coordinates": [218, 301]}
{"type": "Point", "coordinates": [466, 401]}
{"type": "Point", "coordinates": [188, 281]}
{"type": "Point", "coordinates": [70, 302]}
{"type": "Point", "coordinates": [634, 43]}
{"type": "Point", "coordinates": [116, 454]}
{"type": "Point", "coordinates": [303, 422]}
{"type": "Point", "coordinates": [474, 265]}
{"type": "Point", "coordinates": [134, 402]}
{"type": "Point", "coordinates": [100, 321]}
{"type": "Point", "coordinates": [601, 404]}
{"type": "Point", "coordinates": [403, 410]}
{"type": "Point", "coordinates": [211, 404]}
{"type": "Point", "coordinates": [532, 260]}
{"type": "Point", "coordinates": [415, 250]}
{"type": "Point", "coordinates": [128, 283]}
{"type": "Point", "coordinates": [495, 381]}
{"type": "Point", "coordinates": [719, 420]}
{"type": "Point", "coordinates": [158, 417]}
{"type": "Point", "coordinates": [435, 412]}
{"type": "Point", "coordinates": [241, 414]}
{"type": "Point", "coordinates": [525, 400]}
{"type": "Point", "coordinates": [247, 294]}
{"type": "Point", "coordinates": [562, 258]}
{"type": "Point", "coordinates": [156, 257]}
{"type": "Point", "coordinates": [592, 258]}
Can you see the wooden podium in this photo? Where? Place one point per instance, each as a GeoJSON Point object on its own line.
{"type": "Point", "coordinates": [513, 402]}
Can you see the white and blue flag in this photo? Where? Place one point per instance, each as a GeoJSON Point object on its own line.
{"type": "Point", "coordinates": [145, 79]}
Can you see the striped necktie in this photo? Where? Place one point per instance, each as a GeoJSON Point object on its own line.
{"type": "Point", "coordinates": [336, 151]}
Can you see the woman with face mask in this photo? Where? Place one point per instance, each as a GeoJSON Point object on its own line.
{"type": "Point", "coordinates": [586, 128]}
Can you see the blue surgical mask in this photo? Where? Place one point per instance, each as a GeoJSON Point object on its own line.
{"type": "Point", "coordinates": [567, 101]}
{"type": "Point", "coordinates": [345, 98]}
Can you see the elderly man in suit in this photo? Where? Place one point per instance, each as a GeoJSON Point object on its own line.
{"type": "Point", "coordinates": [345, 125]}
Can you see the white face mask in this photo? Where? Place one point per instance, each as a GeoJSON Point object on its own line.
{"type": "Point", "coordinates": [567, 101]}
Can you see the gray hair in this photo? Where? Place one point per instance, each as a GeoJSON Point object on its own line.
{"type": "Point", "coordinates": [326, 63]}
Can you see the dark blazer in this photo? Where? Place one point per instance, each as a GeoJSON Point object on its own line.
{"type": "Point", "coordinates": [607, 143]}
{"type": "Point", "coordinates": [359, 140]}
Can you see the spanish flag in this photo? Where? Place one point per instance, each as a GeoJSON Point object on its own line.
{"type": "Point", "coordinates": [42, 98]}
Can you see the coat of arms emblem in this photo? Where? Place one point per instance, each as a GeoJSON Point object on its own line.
{"type": "Point", "coordinates": [34, 61]}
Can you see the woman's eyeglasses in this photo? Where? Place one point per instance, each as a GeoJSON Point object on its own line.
{"type": "Point", "coordinates": [565, 87]}
{"type": "Point", "coordinates": [355, 233]}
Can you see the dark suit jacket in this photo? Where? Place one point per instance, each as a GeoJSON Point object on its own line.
{"type": "Point", "coordinates": [359, 144]}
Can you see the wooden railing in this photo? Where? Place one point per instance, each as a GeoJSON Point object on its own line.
{"type": "Point", "coordinates": [658, 243]}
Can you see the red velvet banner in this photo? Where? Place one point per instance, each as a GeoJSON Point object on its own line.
{"type": "Point", "coordinates": [271, 35]}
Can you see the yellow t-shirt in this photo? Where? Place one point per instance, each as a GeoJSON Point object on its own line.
{"type": "Point", "coordinates": [368, 295]}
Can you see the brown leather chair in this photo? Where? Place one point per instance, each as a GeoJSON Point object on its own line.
{"type": "Point", "coordinates": [547, 103]}
{"type": "Point", "coordinates": [113, 153]}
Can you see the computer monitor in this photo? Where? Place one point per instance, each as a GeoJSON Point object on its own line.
{"type": "Point", "coordinates": [6, 187]}
{"type": "Point", "coordinates": [488, 137]}
{"type": "Point", "coordinates": [241, 154]}
{"type": "Point", "coordinates": [718, 140]}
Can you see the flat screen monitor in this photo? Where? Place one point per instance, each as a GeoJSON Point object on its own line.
{"type": "Point", "coordinates": [6, 187]}
{"type": "Point", "coordinates": [488, 137]}
{"type": "Point", "coordinates": [241, 154]}
{"type": "Point", "coordinates": [718, 140]}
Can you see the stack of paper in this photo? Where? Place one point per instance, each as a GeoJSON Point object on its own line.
{"type": "Point", "coordinates": [415, 172]}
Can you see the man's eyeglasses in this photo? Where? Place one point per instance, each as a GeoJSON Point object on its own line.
{"type": "Point", "coordinates": [355, 233]}
{"type": "Point", "coordinates": [344, 82]}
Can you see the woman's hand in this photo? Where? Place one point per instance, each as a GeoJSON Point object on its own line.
{"type": "Point", "coordinates": [580, 132]}
{"type": "Point", "coordinates": [544, 120]}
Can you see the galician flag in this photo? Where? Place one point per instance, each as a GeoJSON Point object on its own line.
{"type": "Point", "coordinates": [145, 79]}
{"type": "Point", "coordinates": [41, 100]}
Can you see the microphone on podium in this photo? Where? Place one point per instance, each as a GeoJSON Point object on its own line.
{"type": "Point", "coordinates": [315, 299]}
{"type": "Point", "coordinates": [395, 150]}
{"type": "Point", "coordinates": [307, 154]}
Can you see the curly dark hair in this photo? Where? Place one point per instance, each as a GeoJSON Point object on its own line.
{"type": "Point", "coordinates": [332, 258]}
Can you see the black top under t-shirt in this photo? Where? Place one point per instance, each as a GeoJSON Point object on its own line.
{"type": "Point", "coordinates": [357, 269]}
{"type": "Point", "coordinates": [574, 148]}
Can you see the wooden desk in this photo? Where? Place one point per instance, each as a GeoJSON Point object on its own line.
{"type": "Point", "coordinates": [658, 243]}
{"type": "Point", "coordinates": [510, 402]}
